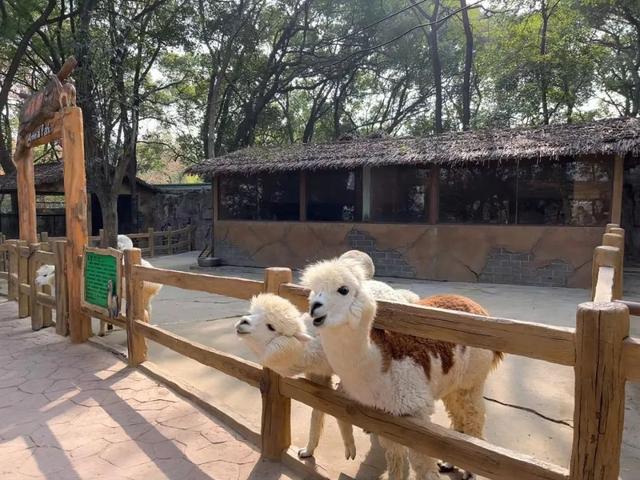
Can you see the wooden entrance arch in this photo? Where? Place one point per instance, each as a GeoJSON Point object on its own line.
{"type": "Point", "coordinates": [48, 115]}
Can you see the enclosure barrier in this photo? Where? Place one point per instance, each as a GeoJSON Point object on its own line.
{"type": "Point", "coordinates": [599, 349]}
{"type": "Point", "coordinates": [20, 263]}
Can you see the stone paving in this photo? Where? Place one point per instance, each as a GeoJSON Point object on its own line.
{"type": "Point", "coordinates": [72, 412]}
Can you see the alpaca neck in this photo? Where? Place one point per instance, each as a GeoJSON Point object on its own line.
{"type": "Point", "coordinates": [351, 354]}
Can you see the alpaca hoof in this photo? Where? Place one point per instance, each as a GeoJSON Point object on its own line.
{"type": "Point", "coordinates": [305, 453]}
{"type": "Point", "coordinates": [350, 452]}
{"type": "Point", "coordinates": [445, 467]}
{"type": "Point", "coordinates": [467, 475]}
{"type": "Point", "coordinates": [101, 334]}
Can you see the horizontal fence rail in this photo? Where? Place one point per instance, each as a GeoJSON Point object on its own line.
{"type": "Point", "coordinates": [228, 286]}
{"type": "Point", "coordinates": [462, 450]}
{"type": "Point", "coordinates": [231, 365]}
{"type": "Point", "coordinates": [543, 342]}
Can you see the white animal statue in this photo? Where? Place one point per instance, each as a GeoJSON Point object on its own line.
{"type": "Point", "coordinates": [400, 374]}
{"type": "Point", "coordinates": [275, 331]}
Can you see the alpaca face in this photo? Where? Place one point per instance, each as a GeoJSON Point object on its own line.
{"type": "Point", "coordinates": [45, 275]}
{"type": "Point", "coordinates": [272, 326]}
{"type": "Point", "coordinates": [337, 294]}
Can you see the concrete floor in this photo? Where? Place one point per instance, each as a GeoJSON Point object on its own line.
{"type": "Point", "coordinates": [529, 402]}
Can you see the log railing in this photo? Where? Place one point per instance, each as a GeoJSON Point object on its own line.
{"type": "Point", "coordinates": [20, 263]}
{"type": "Point", "coordinates": [151, 243]}
{"type": "Point", "coordinates": [599, 348]}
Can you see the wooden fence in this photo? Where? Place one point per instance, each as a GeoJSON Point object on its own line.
{"type": "Point", "coordinates": [151, 243]}
{"type": "Point", "coordinates": [599, 348]}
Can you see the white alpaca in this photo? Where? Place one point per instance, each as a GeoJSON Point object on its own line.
{"type": "Point", "coordinates": [275, 331]}
{"type": "Point", "coordinates": [397, 373]}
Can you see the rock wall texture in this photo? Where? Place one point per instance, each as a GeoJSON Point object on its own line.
{"type": "Point", "coordinates": [172, 210]}
{"type": "Point", "coordinates": [529, 255]}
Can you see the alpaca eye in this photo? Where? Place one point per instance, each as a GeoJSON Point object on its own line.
{"type": "Point", "coordinates": [270, 327]}
{"type": "Point", "coordinates": [343, 290]}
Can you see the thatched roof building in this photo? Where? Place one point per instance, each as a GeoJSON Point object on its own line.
{"type": "Point", "coordinates": [606, 137]}
{"type": "Point", "coordinates": [49, 176]}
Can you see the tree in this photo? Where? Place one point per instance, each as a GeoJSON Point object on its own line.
{"type": "Point", "coordinates": [18, 28]}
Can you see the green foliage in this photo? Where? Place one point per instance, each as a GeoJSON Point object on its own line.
{"type": "Point", "coordinates": [184, 79]}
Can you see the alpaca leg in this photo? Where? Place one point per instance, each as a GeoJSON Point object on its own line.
{"type": "Point", "coordinates": [315, 430]}
{"type": "Point", "coordinates": [466, 410]}
{"type": "Point", "coordinates": [424, 466]}
{"type": "Point", "coordinates": [103, 327]}
{"type": "Point", "coordinates": [346, 430]}
{"type": "Point", "coordinates": [395, 455]}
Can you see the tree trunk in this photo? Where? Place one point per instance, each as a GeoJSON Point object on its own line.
{"type": "Point", "coordinates": [543, 67]}
{"type": "Point", "coordinates": [468, 66]}
{"type": "Point", "coordinates": [109, 208]}
{"type": "Point", "coordinates": [436, 68]}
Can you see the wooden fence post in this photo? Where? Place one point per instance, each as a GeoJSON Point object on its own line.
{"type": "Point", "coordinates": [75, 199]}
{"type": "Point", "coordinates": [603, 257]}
{"type": "Point", "coordinates": [102, 238]}
{"type": "Point", "coordinates": [13, 270]}
{"type": "Point", "coordinates": [62, 312]}
{"type": "Point", "coordinates": [599, 391]}
{"type": "Point", "coordinates": [136, 343]}
{"type": "Point", "coordinates": [34, 307]}
{"type": "Point", "coordinates": [23, 278]}
{"type": "Point", "coordinates": [3, 257]}
{"type": "Point", "coordinates": [152, 242]}
{"type": "Point", "coordinates": [617, 241]}
{"type": "Point", "coordinates": [276, 408]}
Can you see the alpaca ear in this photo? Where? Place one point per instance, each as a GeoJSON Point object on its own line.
{"type": "Point", "coordinates": [303, 337]}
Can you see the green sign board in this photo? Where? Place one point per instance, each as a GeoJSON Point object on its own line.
{"type": "Point", "coordinates": [101, 279]}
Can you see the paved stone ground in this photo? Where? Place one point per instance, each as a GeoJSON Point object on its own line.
{"type": "Point", "coordinates": [72, 412]}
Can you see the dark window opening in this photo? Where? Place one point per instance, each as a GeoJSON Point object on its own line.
{"type": "Point", "coordinates": [260, 197]}
{"type": "Point", "coordinates": [334, 195]}
{"type": "Point", "coordinates": [483, 193]}
{"type": "Point", "coordinates": [400, 194]}
{"type": "Point", "coordinates": [564, 192]}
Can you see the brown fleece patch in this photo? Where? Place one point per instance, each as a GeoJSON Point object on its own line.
{"type": "Point", "coordinates": [396, 346]}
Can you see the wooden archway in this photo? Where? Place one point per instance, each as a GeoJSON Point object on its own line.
{"type": "Point", "coordinates": [48, 115]}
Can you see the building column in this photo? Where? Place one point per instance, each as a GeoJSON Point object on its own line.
{"type": "Point", "coordinates": [366, 194]}
{"type": "Point", "coordinates": [434, 194]}
{"type": "Point", "coordinates": [616, 198]}
{"type": "Point", "coordinates": [303, 196]}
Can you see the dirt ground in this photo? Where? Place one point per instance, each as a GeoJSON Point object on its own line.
{"type": "Point", "coordinates": [529, 402]}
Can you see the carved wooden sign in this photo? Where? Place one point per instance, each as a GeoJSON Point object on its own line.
{"type": "Point", "coordinates": [44, 104]}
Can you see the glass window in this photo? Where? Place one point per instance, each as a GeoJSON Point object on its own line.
{"type": "Point", "coordinates": [399, 194]}
{"type": "Point", "coordinates": [569, 192]}
{"type": "Point", "coordinates": [334, 195]}
{"type": "Point", "coordinates": [478, 193]}
{"type": "Point", "coordinates": [260, 197]}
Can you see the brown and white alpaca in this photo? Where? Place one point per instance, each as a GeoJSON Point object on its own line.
{"type": "Point", "coordinates": [397, 373]}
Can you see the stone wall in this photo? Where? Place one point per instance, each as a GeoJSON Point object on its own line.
{"type": "Point", "coordinates": [531, 255]}
{"type": "Point", "coordinates": [172, 209]}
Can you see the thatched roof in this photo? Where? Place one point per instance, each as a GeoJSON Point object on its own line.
{"type": "Point", "coordinates": [606, 137]}
{"type": "Point", "coordinates": [46, 174]}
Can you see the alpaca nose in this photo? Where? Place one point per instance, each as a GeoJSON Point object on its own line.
{"type": "Point", "coordinates": [314, 307]}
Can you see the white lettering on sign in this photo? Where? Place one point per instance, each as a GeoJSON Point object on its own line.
{"type": "Point", "coordinates": [41, 131]}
